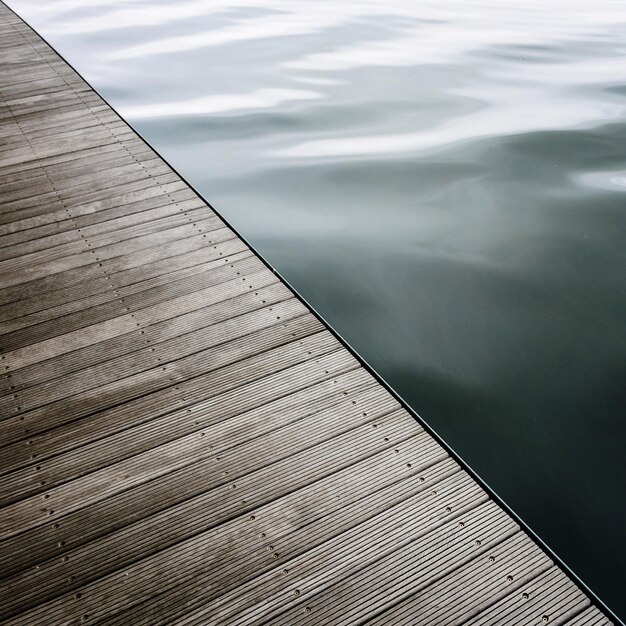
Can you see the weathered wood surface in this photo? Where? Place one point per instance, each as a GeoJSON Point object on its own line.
{"type": "Point", "coordinates": [182, 441]}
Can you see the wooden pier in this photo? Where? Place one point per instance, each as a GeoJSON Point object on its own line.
{"type": "Point", "coordinates": [182, 441]}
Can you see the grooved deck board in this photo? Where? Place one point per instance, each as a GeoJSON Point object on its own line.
{"type": "Point", "coordinates": [181, 440]}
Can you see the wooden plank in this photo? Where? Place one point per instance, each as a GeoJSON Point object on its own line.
{"type": "Point", "coordinates": [57, 148]}
{"type": "Point", "coordinates": [407, 545]}
{"type": "Point", "coordinates": [26, 177]}
{"type": "Point", "coordinates": [15, 140]}
{"type": "Point", "coordinates": [91, 212]}
{"type": "Point", "coordinates": [139, 584]}
{"type": "Point", "coordinates": [589, 617]}
{"type": "Point", "coordinates": [120, 320]}
{"type": "Point", "coordinates": [112, 479]}
{"type": "Point", "coordinates": [83, 558]}
{"type": "Point", "coordinates": [549, 598]}
{"type": "Point", "coordinates": [464, 593]}
{"type": "Point", "coordinates": [338, 503]}
{"type": "Point", "coordinates": [378, 523]}
{"type": "Point", "coordinates": [240, 525]}
{"type": "Point", "coordinates": [15, 134]}
{"type": "Point", "coordinates": [140, 351]}
{"type": "Point", "coordinates": [42, 87]}
{"type": "Point", "coordinates": [101, 306]}
{"type": "Point", "coordinates": [41, 195]}
{"type": "Point", "coordinates": [106, 268]}
{"type": "Point", "coordinates": [81, 156]}
{"type": "Point", "coordinates": [129, 228]}
{"type": "Point", "coordinates": [67, 465]}
{"type": "Point", "coordinates": [63, 301]}
{"type": "Point", "coordinates": [16, 273]}
{"type": "Point", "coordinates": [181, 441]}
{"type": "Point", "coordinates": [105, 517]}
{"type": "Point", "coordinates": [62, 126]}
{"type": "Point", "coordinates": [38, 234]}
{"type": "Point", "coordinates": [74, 102]}
{"type": "Point", "coordinates": [58, 143]}
{"type": "Point", "coordinates": [151, 394]}
{"type": "Point", "coordinates": [67, 187]}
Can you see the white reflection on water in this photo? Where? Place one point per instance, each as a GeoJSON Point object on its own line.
{"type": "Point", "coordinates": [419, 34]}
{"type": "Point", "coordinates": [61, 10]}
{"type": "Point", "coordinates": [501, 118]}
{"type": "Point", "coordinates": [129, 15]}
{"type": "Point", "coordinates": [613, 181]}
{"type": "Point", "coordinates": [270, 26]}
{"type": "Point", "coordinates": [228, 103]}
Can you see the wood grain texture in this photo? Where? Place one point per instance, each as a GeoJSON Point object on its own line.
{"type": "Point", "coordinates": [181, 440]}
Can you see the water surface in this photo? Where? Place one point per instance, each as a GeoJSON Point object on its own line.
{"type": "Point", "coordinates": [445, 182]}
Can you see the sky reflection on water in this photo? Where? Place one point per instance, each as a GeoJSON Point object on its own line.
{"type": "Point", "coordinates": [445, 182]}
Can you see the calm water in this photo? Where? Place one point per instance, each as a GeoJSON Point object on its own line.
{"type": "Point", "coordinates": [445, 182]}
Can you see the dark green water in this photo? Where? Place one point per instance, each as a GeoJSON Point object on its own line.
{"type": "Point", "coordinates": [445, 182]}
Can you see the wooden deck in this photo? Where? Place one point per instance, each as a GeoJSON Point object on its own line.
{"type": "Point", "coordinates": [182, 441]}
